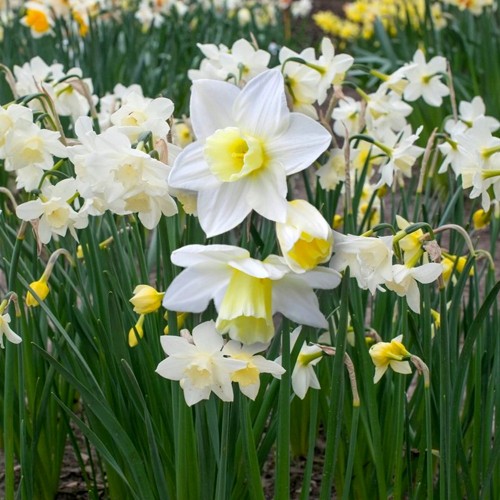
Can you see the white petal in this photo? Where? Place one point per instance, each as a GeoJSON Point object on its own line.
{"type": "Point", "coordinates": [413, 297]}
{"type": "Point", "coordinates": [427, 273]}
{"type": "Point", "coordinates": [171, 368]}
{"type": "Point", "coordinates": [205, 337]}
{"type": "Point", "coordinates": [191, 171]}
{"type": "Point", "coordinates": [211, 106]}
{"type": "Point", "coordinates": [260, 110]}
{"type": "Point", "coordinates": [30, 210]}
{"type": "Point", "coordinates": [193, 394]}
{"type": "Point", "coordinates": [400, 366]}
{"type": "Point", "coordinates": [250, 391]}
{"type": "Point", "coordinates": [173, 345]}
{"type": "Point", "coordinates": [379, 372]}
{"type": "Point", "coordinates": [192, 290]}
{"type": "Point", "coordinates": [223, 208]}
{"type": "Point", "coordinates": [324, 278]}
{"type": "Point", "coordinates": [295, 299]}
{"type": "Point", "coordinates": [192, 255]}
{"type": "Point", "coordinates": [300, 145]}
{"type": "Point", "coordinates": [266, 194]}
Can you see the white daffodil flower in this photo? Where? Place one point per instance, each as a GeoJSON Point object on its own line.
{"type": "Point", "coordinates": [305, 238]}
{"type": "Point", "coordinates": [404, 281]}
{"type": "Point", "coordinates": [248, 378]}
{"type": "Point", "coordinates": [200, 366]}
{"type": "Point", "coordinates": [246, 292]}
{"type": "Point", "coordinates": [6, 330]}
{"type": "Point", "coordinates": [56, 213]}
{"type": "Point", "coordinates": [369, 259]}
{"type": "Point", "coordinates": [303, 375]}
{"type": "Point", "coordinates": [425, 80]}
{"type": "Point", "coordinates": [248, 142]}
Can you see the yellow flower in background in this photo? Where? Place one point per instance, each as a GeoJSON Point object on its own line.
{"type": "Point", "coordinates": [137, 332]}
{"type": "Point", "coordinates": [456, 262]}
{"type": "Point", "coordinates": [41, 288]}
{"type": "Point", "coordinates": [412, 243]}
{"type": "Point", "coordinates": [146, 299]}
{"type": "Point", "coordinates": [481, 219]}
{"type": "Point", "coordinates": [181, 319]}
{"type": "Point", "coordinates": [393, 354]}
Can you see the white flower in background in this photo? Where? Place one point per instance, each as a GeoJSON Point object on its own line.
{"type": "Point", "coordinates": [347, 115]}
{"type": "Point", "coordinates": [248, 378]}
{"type": "Point", "coordinates": [6, 330]}
{"type": "Point", "coordinates": [402, 154]}
{"type": "Point", "coordinates": [471, 114]}
{"type": "Point", "coordinates": [303, 375]}
{"type": "Point", "coordinates": [305, 239]}
{"type": "Point", "coordinates": [29, 150]}
{"type": "Point", "coordinates": [200, 366]}
{"type": "Point", "coordinates": [210, 66]}
{"type": "Point", "coordinates": [137, 115]}
{"type": "Point", "coordinates": [8, 118]}
{"type": "Point", "coordinates": [248, 142]}
{"type": "Point", "coordinates": [386, 112]}
{"type": "Point", "coordinates": [119, 178]}
{"type": "Point", "coordinates": [369, 259]}
{"type": "Point", "coordinates": [148, 16]}
{"type": "Point", "coordinates": [243, 62]}
{"type": "Point", "coordinates": [425, 80]}
{"type": "Point", "coordinates": [55, 211]}
{"type": "Point", "coordinates": [30, 75]}
{"type": "Point", "coordinates": [333, 171]}
{"type": "Point", "coordinates": [246, 292]}
{"type": "Point", "coordinates": [301, 8]}
{"type": "Point", "coordinates": [111, 102]}
{"type": "Point", "coordinates": [404, 281]}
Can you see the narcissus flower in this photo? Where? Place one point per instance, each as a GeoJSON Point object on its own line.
{"type": "Point", "coordinates": [303, 375]}
{"type": "Point", "coordinates": [404, 281]}
{"type": "Point", "coordinates": [146, 299]}
{"type": "Point", "coordinates": [200, 366]}
{"type": "Point", "coordinates": [393, 354]}
{"type": "Point", "coordinates": [5, 329]}
{"type": "Point", "coordinates": [137, 332]}
{"type": "Point", "coordinates": [248, 378]}
{"type": "Point", "coordinates": [41, 288]}
{"type": "Point", "coordinates": [369, 259]}
{"type": "Point", "coordinates": [248, 142]}
{"type": "Point", "coordinates": [246, 292]}
{"type": "Point", "coordinates": [305, 238]}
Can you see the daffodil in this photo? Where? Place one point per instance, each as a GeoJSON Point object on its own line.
{"type": "Point", "coordinates": [393, 354]}
{"type": "Point", "coordinates": [5, 329]}
{"type": "Point", "coordinates": [41, 288]}
{"type": "Point", "coordinates": [248, 378]}
{"type": "Point", "coordinates": [136, 332]}
{"type": "Point", "coordinates": [200, 366]}
{"type": "Point", "coordinates": [146, 299]}
{"type": "Point", "coordinates": [368, 258]}
{"type": "Point", "coordinates": [305, 238]}
{"type": "Point", "coordinates": [247, 143]}
{"type": "Point", "coordinates": [246, 292]}
{"type": "Point", "coordinates": [404, 281]}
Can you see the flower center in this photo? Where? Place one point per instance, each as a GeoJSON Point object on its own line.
{"type": "Point", "coordinates": [308, 251]}
{"type": "Point", "coordinates": [232, 155]}
{"type": "Point", "coordinates": [246, 309]}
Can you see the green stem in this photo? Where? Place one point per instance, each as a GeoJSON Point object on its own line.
{"type": "Point", "coordinates": [8, 403]}
{"type": "Point", "coordinates": [282, 484]}
{"type": "Point", "coordinates": [335, 411]}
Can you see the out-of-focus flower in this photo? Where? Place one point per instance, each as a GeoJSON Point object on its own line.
{"type": "Point", "coordinates": [305, 238]}
{"type": "Point", "coordinates": [41, 288]}
{"type": "Point", "coordinates": [481, 219]}
{"type": "Point", "coordinates": [248, 142]}
{"type": "Point", "coordinates": [5, 329]}
{"type": "Point", "coordinates": [404, 281]}
{"type": "Point", "coordinates": [369, 259]}
{"type": "Point", "coordinates": [146, 299]}
{"type": "Point", "coordinates": [246, 292]}
{"type": "Point", "coordinates": [411, 244]}
{"type": "Point", "coordinates": [454, 262]}
{"type": "Point", "coordinates": [425, 79]}
{"type": "Point", "coordinates": [248, 378]}
{"type": "Point", "coordinates": [393, 354]}
{"type": "Point", "coordinates": [200, 366]}
{"type": "Point", "coordinates": [38, 19]}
